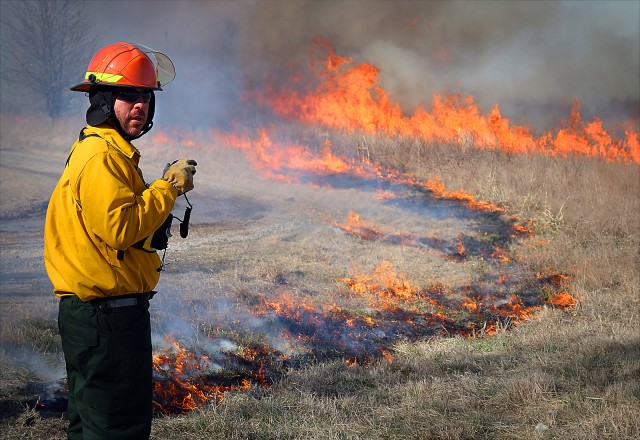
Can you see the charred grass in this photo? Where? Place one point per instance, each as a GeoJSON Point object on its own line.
{"type": "Point", "coordinates": [560, 375]}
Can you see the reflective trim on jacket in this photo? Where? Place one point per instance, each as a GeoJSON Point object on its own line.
{"type": "Point", "coordinates": [100, 206]}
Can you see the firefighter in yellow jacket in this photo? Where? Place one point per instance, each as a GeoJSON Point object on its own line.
{"type": "Point", "coordinates": [96, 245]}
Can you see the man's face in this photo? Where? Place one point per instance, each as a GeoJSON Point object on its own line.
{"type": "Point", "coordinates": [132, 109]}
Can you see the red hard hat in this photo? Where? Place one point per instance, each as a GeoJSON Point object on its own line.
{"type": "Point", "coordinates": [128, 65]}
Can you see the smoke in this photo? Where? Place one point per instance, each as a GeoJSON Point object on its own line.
{"type": "Point", "coordinates": [43, 367]}
{"type": "Point", "coordinates": [524, 56]}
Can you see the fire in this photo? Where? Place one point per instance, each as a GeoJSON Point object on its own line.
{"type": "Point", "coordinates": [500, 255]}
{"type": "Point", "coordinates": [382, 306]}
{"type": "Point", "coordinates": [455, 248]}
{"type": "Point", "coordinates": [371, 310]}
{"type": "Point", "coordinates": [386, 289]}
{"type": "Point", "coordinates": [275, 160]}
{"type": "Point", "coordinates": [346, 97]}
{"type": "Point", "coordinates": [469, 304]}
{"type": "Point", "coordinates": [381, 285]}
{"type": "Point", "coordinates": [515, 310]}
{"type": "Point", "coordinates": [436, 186]}
{"type": "Point", "coordinates": [184, 381]}
{"type": "Point", "coordinates": [562, 300]}
{"type": "Point", "coordinates": [385, 195]}
{"type": "Point", "coordinates": [520, 230]}
{"type": "Point", "coordinates": [385, 307]}
{"type": "Point", "coordinates": [356, 226]}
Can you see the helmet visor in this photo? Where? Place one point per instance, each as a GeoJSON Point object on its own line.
{"type": "Point", "coordinates": [165, 70]}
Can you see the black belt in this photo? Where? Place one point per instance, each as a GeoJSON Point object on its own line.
{"type": "Point", "coordinates": [122, 301]}
{"type": "Point", "coordinates": [119, 302]}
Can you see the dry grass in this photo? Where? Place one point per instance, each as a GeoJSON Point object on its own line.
{"type": "Point", "coordinates": [561, 375]}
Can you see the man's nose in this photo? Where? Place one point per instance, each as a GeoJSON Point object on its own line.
{"type": "Point", "coordinates": [139, 103]}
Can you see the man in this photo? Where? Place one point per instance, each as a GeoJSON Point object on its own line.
{"type": "Point", "coordinates": [96, 247]}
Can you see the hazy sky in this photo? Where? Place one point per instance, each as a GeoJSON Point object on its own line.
{"type": "Point", "coordinates": [507, 52]}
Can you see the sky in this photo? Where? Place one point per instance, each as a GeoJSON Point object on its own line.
{"type": "Point", "coordinates": [530, 57]}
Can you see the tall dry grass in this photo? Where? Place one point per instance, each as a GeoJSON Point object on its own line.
{"type": "Point", "coordinates": [562, 375]}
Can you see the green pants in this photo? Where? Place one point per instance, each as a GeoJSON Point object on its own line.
{"type": "Point", "coordinates": [109, 370]}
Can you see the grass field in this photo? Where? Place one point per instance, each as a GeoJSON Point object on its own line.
{"type": "Point", "coordinates": [561, 374]}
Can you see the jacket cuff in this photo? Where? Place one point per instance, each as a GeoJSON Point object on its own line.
{"type": "Point", "coordinates": [165, 185]}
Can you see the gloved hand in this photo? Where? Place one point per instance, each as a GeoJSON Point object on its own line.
{"type": "Point", "coordinates": [180, 173]}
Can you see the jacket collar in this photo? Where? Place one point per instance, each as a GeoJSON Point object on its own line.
{"type": "Point", "coordinates": [114, 138]}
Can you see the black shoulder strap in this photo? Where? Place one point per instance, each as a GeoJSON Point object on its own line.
{"type": "Point", "coordinates": [80, 138]}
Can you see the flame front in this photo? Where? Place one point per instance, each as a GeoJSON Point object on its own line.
{"type": "Point", "coordinates": [346, 97]}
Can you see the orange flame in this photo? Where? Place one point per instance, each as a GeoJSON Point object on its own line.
{"type": "Point", "coordinates": [356, 226]}
{"type": "Point", "coordinates": [347, 98]}
{"type": "Point", "coordinates": [562, 300]}
{"type": "Point", "coordinates": [177, 392]}
{"type": "Point", "coordinates": [500, 255]}
{"type": "Point", "coordinates": [436, 186]}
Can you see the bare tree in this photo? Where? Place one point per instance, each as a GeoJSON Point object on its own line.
{"type": "Point", "coordinates": [45, 44]}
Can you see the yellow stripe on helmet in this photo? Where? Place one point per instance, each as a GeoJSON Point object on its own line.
{"type": "Point", "coordinates": [104, 77]}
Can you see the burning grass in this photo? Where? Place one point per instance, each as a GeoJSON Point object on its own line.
{"type": "Point", "coordinates": [345, 96]}
{"type": "Point", "coordinates": [362, 323]}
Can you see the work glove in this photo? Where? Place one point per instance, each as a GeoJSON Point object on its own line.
{"type": "Point", "coordinates": [180, 173]}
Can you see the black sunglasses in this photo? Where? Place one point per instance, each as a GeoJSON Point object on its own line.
{"type": "Point", "coordinates": [134, 96]}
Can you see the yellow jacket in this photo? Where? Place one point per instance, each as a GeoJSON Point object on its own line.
{"type": "Point", "coordinates": [101, 205]}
